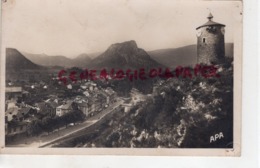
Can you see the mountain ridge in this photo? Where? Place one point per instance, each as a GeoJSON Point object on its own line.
{"type": "Point", "coordinates": [184, 56]}
{"type": "Point", "coordinates": [124, 55]}
{"type": "Point", "coordinates": [15, 60]}
{"type": "Point", "coordinates": [81, 60]}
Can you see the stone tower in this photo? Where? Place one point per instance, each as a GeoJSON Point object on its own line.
{"type": "Point", "coordinates": [210, 42]}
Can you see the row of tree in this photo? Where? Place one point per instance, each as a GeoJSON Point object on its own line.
{"type": "Point", "coordinates": [49, 124]}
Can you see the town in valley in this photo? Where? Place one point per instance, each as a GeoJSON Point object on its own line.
{"type": "Point", "coordinates": [45, 106]}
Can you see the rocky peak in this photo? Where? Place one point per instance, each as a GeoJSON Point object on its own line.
{"type": "Point", "coordinates": [124, 55]}
{"type": "Point", "coordinates": [124, 47]}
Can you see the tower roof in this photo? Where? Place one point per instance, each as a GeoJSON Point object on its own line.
{"type": "Point", "coordinates": [210, 22]}
{"type": "Point", "coordinates": [210, 16]}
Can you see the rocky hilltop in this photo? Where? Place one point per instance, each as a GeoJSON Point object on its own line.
{"type": "Point", "coordinates": [124, 55]}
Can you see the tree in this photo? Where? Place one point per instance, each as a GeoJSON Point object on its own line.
{"type": "Point", "coordinates": [34, 128]}
{"type": "Point", "coordinates": [48, 124]}
{"type": "Point", "coordinates": [58, 122]}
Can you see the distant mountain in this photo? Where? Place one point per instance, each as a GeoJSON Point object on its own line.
{"type": "Point", "coordinates": [17, 61]}
{"type": "Point", "coordinates": [83, 60]}
{"type": "Point", "coordinates": [124, 55]}
{"type": "Point", "coordinates": [229, 49]}
{"type": "Point", "coordinates": [42, 59]}
{"type": "Point", "coordinates": [175, 56]}
{"type": "Point", "coordinates": [45, 60]}
{"type": "Point", "coordinates": [94, 55]}
{"type": "Point", "coordinates": [183, 56]}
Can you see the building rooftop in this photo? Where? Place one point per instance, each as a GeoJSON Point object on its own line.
{"type": "Point", "coordinates": [53, 104]}
{"type": "Point", "coordinates": [10, 112]}
{"type": "Point", "coordinates": [23, 111]}
{"type": "Point", "coordinates": [210, 22]}
{"type": "Point", "coordinates": [13, 89]}
{"type": "Point", "coordinates": [109, 91]}
{"type": "Point", "coordinates": [83, 104]}
{"type": "Point", "coordinates": [67, 105]}
{"type": "Point", "coordinates": [45, 107]}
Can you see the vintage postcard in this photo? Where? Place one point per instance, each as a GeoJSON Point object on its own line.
{"type": "Point", "coordinates": [121, 77]}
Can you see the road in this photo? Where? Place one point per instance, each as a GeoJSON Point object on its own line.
{"type": "Point", "coordinates": [65, 133]}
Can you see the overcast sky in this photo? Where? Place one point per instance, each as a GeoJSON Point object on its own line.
{"type": "Point", "coordinates": [63, 27]}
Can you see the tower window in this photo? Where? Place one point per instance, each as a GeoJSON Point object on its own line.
{"type": "Point", "coordinates": [204, 40]}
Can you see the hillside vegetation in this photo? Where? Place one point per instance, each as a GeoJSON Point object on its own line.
{"type": "Point", "coordinates": [181, 113]}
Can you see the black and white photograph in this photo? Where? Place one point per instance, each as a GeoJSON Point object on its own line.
{"type": "Point", "coordinates": [133, 77]}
